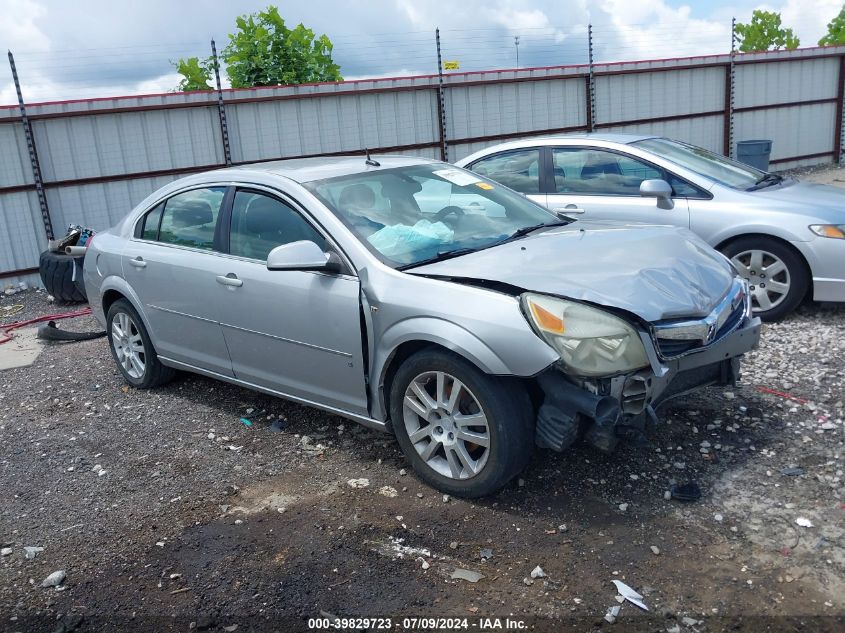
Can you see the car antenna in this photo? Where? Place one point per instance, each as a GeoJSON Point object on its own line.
{"type": "Point", "coordinates": [370, 161]}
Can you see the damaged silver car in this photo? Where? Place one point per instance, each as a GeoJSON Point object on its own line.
{"type": "Point", "coordinates": [419, 298]}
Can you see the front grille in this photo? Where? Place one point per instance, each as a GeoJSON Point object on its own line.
{"type": "Point", "coordinates": [700, 330]}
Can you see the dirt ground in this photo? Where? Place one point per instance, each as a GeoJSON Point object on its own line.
{"type": "Point", "coordinates": [168, 513]}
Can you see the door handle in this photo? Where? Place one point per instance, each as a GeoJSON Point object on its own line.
{"type": "Point", "coordinates": [138, 262]}
{"type": "Point", "coordinates": [570, 208]}
{"type": "Point", "coordinates": [230, 280]}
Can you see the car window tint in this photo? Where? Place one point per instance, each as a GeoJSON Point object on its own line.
{"type": "Point", "coordinates": [189, 218]}
{"type": "Point", "coordinates": [260, 223]}
{"type": "Point", "coordinates": [519, 170]}
{"type": "Point", "coordinates": [597, 172]}
{"type": "Point", "coordinates": [150, 226]}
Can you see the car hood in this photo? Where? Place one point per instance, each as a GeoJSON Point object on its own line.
{"type": "Point", "coordinates": [655, 272]}
{"type": "Point", "coordinates": [823, 201]}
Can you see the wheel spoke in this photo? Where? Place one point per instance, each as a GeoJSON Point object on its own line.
{"type": "Point", "coordinates": [426, 400]}
{"type": "Point", "coordinates": [441, 388]}
{"type": "Point", "coordinates": [417, 407]}
{"type": "Point", "coordinates": [115, 329]}
{"type": "Point", "coordinates": [777, 287]}
{"type": "Point", "coordinates": [476, 438]}
{"type": "Point", "coordinates": [454, 396]}
{"type": "Point", "coordinates": [743, 270]}
{"type": "Point", "coordinates": [471, 419]}
{"type": "Point", "coordinates": [430, 450]}
{"type": "Point", "coordinates": [775, 268]}
{"type": "Point", "coordinates": [468, 462]}
{"type": "Point", "coordinates": [756, 261]}
{"type": "Point", "coordinates": [763, 300]}
{"type": "Point", "coordinates": [454, 461]}
{"type": "Point", "coordinates": [420, 434]}
{"type": "Point", "coordinates": [136, 364]}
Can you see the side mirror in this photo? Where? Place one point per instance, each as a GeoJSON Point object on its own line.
{"type": "Point", "coordinates": [660, 189]}
{"type": "Point", "coordinates": [303, 255]}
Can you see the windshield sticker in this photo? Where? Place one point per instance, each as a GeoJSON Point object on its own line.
{"type": "Point", "coordinates": [484, 185]}
{"type": "Point", "coordinates": [457, 177]}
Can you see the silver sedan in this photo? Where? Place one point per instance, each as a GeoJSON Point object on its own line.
{"type": "Point", "coordinates": [786, 237]}
{"type": "Point", "coordinates": [415, 297]}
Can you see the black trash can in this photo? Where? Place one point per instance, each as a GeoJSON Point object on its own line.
{"type": "Point", "coordinates": [754, 153]}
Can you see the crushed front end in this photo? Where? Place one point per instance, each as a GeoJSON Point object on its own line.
{"type": "Point", "coordinates": [612, 375]}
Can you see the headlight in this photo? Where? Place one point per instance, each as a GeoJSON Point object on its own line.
{"type": "Point", "coordinates": [591, 342]}
{"type": "Point", "coordinates": [829, 230]}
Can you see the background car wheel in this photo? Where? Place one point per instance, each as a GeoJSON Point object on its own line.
{"type": "Point", "coordinates": [57, 275]}
{"type": "Point", "coordinates": [778, 276]}
{"type": "Point", "coordinates": [464, 432]}
{"type": "Point", "coordinates": [132, 350]}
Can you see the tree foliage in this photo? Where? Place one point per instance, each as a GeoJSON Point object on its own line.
{"type": "Point", "coordinates": [196, 74]}
{"type": "Point", "coordinates": [765, 32]}
{"type": "Point", "coordinates": [265, 52]}
{"type": "Point", "coordinates": [835, 31]}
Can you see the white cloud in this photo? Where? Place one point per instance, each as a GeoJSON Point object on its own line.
{"type": "Point", "coordinates": [18, 28]}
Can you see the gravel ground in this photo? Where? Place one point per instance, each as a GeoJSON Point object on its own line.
{"type": "Point", "coordinates": [167, 513]}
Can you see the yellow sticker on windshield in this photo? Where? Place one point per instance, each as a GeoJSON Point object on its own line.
{"type": "Point", "coordinates": [483, 185]}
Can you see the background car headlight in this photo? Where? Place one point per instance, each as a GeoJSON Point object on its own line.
{"type": "Point", "coordinates": [591, 342]}
{"type": "Point", "coordinates": [829, 230]}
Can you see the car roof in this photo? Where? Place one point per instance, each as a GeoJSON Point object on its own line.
{"type": "Point", "coordinates": [307, 169]}
{"type": "Point", "coordinates": [610, 137]}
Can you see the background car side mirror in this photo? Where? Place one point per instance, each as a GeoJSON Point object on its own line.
{"type": "Point", "coordinates": [660, 189]}
{"type": "Point", "coordinates": [303, 255]}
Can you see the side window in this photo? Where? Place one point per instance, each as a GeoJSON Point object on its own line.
{"type": "Point", "coordinates": [148, 229]}
{"type": "Point", "coordinates": [189, 218]}
{"type": "Point", "coordinates": [597, 172]}
{"type": "Point", "coordinates": [519, 170]}
{"type": "Point", "coordinates": [260, 223]}
{"type": "Point", "coordinates": [684, 189]}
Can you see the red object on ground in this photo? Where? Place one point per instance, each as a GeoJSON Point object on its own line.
{"type": "Point", "coordinates": [6, 329]}
{"type": "Point", "coordinates": [782, 395]}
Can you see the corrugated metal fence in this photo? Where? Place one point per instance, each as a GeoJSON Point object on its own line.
{"type": "Point", "coordinates": [100, 157]}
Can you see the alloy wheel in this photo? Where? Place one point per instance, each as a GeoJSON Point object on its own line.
{"type": "Point", "coordinates": [446, 425]}
{"type": "Point", "coordinates": [767, 275]}
{"type": "Point", "coordinates": [128, 345]}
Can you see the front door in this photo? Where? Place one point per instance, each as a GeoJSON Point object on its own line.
{"type": "Point", "coordinates": [170, 263]}
{"type": "Point", "coordinates": [593, 183]}
{"type": "Point", "coordinates": [297, 332]}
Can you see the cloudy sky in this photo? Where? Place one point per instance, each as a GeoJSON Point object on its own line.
{"type": "Point", "coordinates": [91, 48]}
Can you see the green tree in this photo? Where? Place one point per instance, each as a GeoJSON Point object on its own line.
{"type": "Point", "coordinates": [765, 32]}
{"type": "Point", "coordinates": [265, 52]}
{"type": "Point", "coordinates": [196, 74]}
{"type": "Point", "coordinates": [835, 31]}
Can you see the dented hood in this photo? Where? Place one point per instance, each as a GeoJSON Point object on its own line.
{"type": "Point", "coordinates": [655, 272]}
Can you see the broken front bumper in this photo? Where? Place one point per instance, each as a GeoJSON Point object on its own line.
{"type": "Point", "coordinates": [603, 409]}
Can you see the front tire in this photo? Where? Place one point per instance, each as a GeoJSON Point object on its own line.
{"type": "Point", "coordinates": [464, 432]}
{"type": "Point", "coordinates": [777, 275]}
{"type": "Point", "coordinates": [132, 349]}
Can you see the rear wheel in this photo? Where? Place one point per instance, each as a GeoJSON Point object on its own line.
{"type": "Point", "coordinates": [464, 432]}
{"type": "Point", "coordinates": [132, 349]}
{"type": "Point", "coordinates": [777, 276]}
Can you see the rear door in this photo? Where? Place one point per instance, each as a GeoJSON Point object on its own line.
{"type": "Point", "coordinates": [297, 332]}
{"type": "Point", "coordinates": [597, 183]}
{"type": "Point", "coordinates": [170, 263]}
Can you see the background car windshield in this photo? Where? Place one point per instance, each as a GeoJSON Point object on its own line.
{"type": "Point", "coordinates": [714, 166]}
{"type": "Point", "coordinates": [410, 214]}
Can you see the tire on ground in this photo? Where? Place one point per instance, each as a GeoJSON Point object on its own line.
{"type": "Point", "coordinates": [155, 373]}
{"type": "Point", "coordinates": [57, 275]}
{"type": "Point", "coordinates": [504, 402]}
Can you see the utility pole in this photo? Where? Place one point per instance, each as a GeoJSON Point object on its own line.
{"type": "Point", "coordinates": [33, 154]}
{"type": "Point", "coordinates": [591, 83]}
{"type": "Point", "coordinates": [516, 44]}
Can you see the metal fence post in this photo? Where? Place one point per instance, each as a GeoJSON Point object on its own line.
{"type": "Point", "coordinates": [221, 108]}
{"type": "Point", "coordinates": [839, 135]}
{"type": "Point", "coordinates": [33, 154]}
{"type": "Point", "coordinates": [591, 83]}
{"type": "Point", "coordinates": [730, 89]}
{"type": "Point", "coordinates": [441, 100]}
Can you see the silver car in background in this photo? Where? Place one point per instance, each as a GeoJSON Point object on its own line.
{"type": "Point", "coordinates": [786, 237]}
{"type": "Point", "coordinates": [413, 296]}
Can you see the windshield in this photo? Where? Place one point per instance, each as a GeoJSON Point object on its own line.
{"type": "Point", "coordinates": [408, 215]}
{"type": "Point", "coordinates": [709, 164]}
